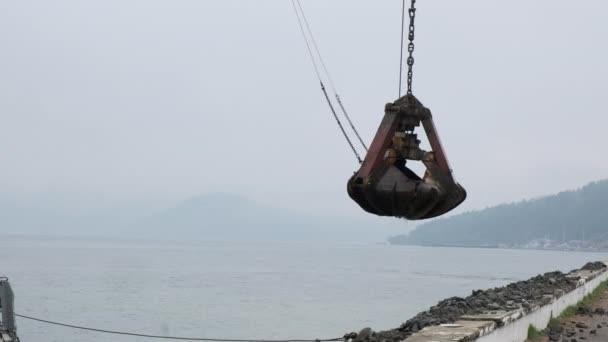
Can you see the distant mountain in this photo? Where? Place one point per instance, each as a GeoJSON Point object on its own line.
{"type": "Point", "coordinates": [222, 216]}
{"type": "Point", "coordinates": [216, 216]}
{"type": "Point", "coordinates": [566, 216]}
{"type": "Point", "coordinates": [56, 216]}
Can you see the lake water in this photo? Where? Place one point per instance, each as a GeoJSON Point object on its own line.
{"type": "Point", "coordinates": [246, 290]}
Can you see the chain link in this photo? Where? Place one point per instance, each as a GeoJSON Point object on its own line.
{"type": "Point", "coordinates": [410, 47]}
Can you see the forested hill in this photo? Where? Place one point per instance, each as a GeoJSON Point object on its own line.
{"type": "Point", "coordinates": [567, 216]}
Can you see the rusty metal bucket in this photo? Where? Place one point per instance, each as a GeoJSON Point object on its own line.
{"type": "Point", "coordinates": [385, 186]}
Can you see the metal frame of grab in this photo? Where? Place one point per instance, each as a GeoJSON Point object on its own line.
{"type": "Point", "coordinates": [385, 186]}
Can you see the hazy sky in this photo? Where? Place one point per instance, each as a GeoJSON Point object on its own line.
{"type": "Point", "coordinates": [127, 100]}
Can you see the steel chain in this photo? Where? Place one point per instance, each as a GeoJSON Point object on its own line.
{"type": "Point", "coordinates": [410, 47]}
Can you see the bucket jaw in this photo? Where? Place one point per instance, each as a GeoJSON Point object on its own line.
{"type": "Point", "coordinates": [385, 186]}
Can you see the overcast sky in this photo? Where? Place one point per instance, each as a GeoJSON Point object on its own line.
{"type": "Point", "coordinates": [128, 100]}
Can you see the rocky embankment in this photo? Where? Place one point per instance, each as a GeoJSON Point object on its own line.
{"type": "Point", "coordinates": [525, 295]}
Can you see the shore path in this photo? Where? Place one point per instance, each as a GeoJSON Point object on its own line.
{"type": "Point", "coordinates": [590, 324]}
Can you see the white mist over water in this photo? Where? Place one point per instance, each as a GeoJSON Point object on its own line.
{"type": "Point", "coordinates": [247, 290]}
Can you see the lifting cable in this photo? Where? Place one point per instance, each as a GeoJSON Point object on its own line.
{"type": "Point", "coordinates": [317, 71]}
{"type": "Point", "coordinates": [172, 337]}
{"type": "Point", "coordinates": [329, 78]}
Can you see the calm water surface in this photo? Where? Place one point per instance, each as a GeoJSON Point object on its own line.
{"type": "Point", "coordinates": [246, 290]}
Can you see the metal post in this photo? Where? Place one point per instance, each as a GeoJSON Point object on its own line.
{"type": "Point", "coordinates": [8, 329]}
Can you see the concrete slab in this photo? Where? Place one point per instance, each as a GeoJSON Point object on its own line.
{"type": "Point", "coordinates": [584, 274]}
{"type": "Point", "coordinates": [459, 331]}
{"type": "Point", "coordinates": [500, 317]}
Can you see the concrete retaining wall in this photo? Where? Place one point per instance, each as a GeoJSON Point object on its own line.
{"type": "Point", "coordinates": [512, 326]}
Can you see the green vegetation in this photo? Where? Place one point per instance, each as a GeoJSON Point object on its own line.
{"type": "Point", "coordinates": [533, 333]}
{"type": "Point", "coordinates": [567, 216]}
{"type": "Point", "coordinates": [588, 300]}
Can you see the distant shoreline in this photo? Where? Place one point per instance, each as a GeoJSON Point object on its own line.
{"type": "Point", "coordinates": [590, 250]}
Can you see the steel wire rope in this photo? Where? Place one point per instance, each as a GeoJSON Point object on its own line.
{"type": "Point", "coordinates": [323, 89]}
{"type": "Point", "coordinates": [327, 73]}
{"type": "Point", "coordinates": [115, 332]}
{"type": "Point", "coordinates": [401, 41]}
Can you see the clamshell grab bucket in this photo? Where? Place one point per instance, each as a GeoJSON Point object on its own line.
{"type": "Point", "coordinates": [385, 186]}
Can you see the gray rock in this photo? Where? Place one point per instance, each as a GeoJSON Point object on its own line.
{"type": "Point", "coordinates": [525, 294]}
{"type": "Point", "coordinates": [594, 266]}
